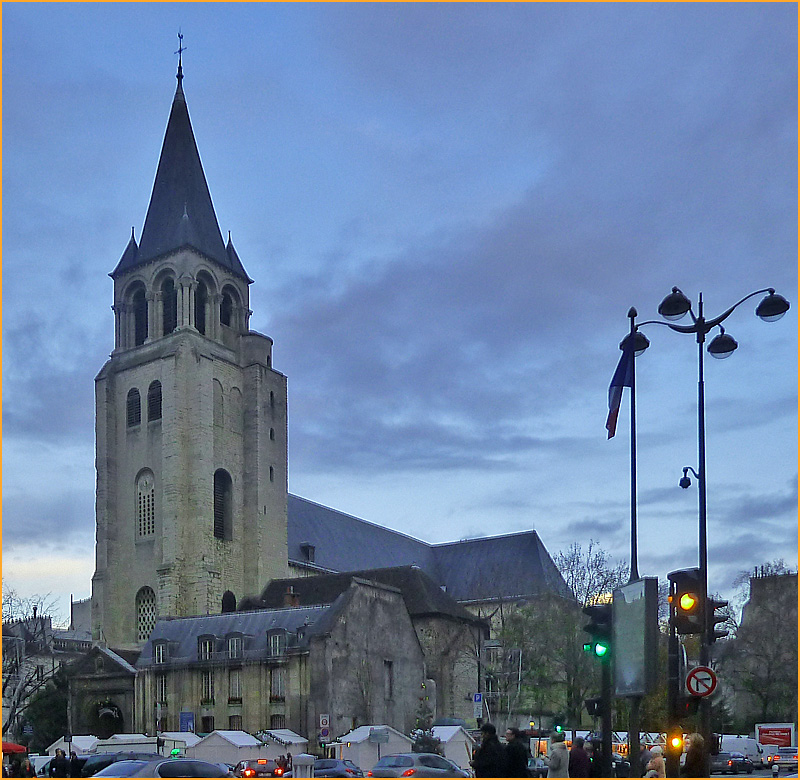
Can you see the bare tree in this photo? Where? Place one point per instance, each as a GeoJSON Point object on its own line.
{"type": "Point", "coordinates": [761, 660]}
{"type": "Point", "coordinates": [28, 657]}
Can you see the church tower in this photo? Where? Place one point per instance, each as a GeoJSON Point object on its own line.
{"type": "Point", "coordinates": [191, 421]}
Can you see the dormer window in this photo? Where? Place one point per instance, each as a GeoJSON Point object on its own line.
{"type": "Point", "coordinates": [277, 643]}
{"type": "Point", "coordinates": [205, 648]}
{"type": "Point", "coordinates": [160, 653]}
{"type": "Point", "coordinates": [234, 647]}
{"type": "Point", "coordinates": [308, 551]}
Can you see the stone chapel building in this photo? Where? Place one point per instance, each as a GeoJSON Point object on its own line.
{"type": "Point", "coordinates": [192, 508]}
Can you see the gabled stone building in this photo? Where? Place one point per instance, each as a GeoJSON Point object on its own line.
{"type": "Point", "coordinates": [355, 657]}
{"type": "Point", "coordinates": [451, 638]}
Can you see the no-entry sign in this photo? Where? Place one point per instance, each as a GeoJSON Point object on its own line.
{"type": "Point", "coordinates": [701, 681]}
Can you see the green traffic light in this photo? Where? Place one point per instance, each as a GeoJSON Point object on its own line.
{"type": "Point", "coordinates": [559, 728]}
{"type": "Point", "coordinates": [600, 650]}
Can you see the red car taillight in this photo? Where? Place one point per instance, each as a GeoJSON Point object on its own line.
{"type": "Point", "coordinates": [249, 772]}
{"type": "Point", "coordinates": [369, 773]}
{"type": "Point", "coordinates": [409, 773]}
{"type": "Point", "coordinates": [730, 763]}
{"type": "Point", "coordinates": [278, 772]}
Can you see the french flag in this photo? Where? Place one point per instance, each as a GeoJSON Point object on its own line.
{"type": "Point", "coordinates": [623, 377]}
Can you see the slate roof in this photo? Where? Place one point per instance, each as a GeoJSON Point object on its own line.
{"type": "Point", "coordinates": [181, 634]}
{"type": "Point", "coordinates": [180, 213]}
{"type": "Point", "coordinates": [422, 596]}
{"type": "Point", "coordinates": [510, 566]}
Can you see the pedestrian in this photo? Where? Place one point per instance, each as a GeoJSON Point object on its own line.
{"type": "Point", "coordinates": [516, 754]}
{"type": "Point", "coordinates": [490, 757]}
{"type": "Point", "coordinates": [645, 754]}
{"type": "Point", "coordinates": [27, 770]}
{"type": "Point", "coordinates": [580, 765]}
{"type": "Point", "coordinates": [75, 765]}
{"type": "Point", "coordinates": [594, 750]}
{"type": "Point", "coordinates": [558, 756]}
{"type": "Point", "coordinates": [655, 766]}
{"type": "Point", "coordinates": [59, 766]}
{"type": "Point", "coordinates": [288, 762]}
{"type": "Point", "coordinates": [695, 765]}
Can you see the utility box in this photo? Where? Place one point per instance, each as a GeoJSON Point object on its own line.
{"type": "Point", "coordinates": [303, 765]}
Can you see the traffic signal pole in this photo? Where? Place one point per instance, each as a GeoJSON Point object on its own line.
{"type": "Point", "coordinates": [605, 718]}
{"type": "Point", "coordinates": [673, 757]}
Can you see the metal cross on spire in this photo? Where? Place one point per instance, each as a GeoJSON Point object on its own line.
{"type": "Point", "coordinates": [179, 52]}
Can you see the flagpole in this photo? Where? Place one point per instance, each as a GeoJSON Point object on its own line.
{"type": "Point", "coordinates": [635, 701]}
{"type": "Point", "coordinates": [634, 574]}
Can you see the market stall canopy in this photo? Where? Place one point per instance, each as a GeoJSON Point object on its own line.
{"type": "Point", "coordinates": [13, 747]}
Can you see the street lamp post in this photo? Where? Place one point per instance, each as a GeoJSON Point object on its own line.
{"type": "Point", "coordinates": [674, 307]}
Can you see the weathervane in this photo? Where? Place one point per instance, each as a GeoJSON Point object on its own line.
{"type": "Point", "coordinates": [179, 52]}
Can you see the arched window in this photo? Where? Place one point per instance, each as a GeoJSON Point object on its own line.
{"type": "Point", "coordinates": [145, 613]}
{"type": "Point", "coordinates": [139, 317]}
{"type": "Point", "coordinates": [133, 408]}
{"type": "Point", "coordinates": [200, 299]}
{"type": "Point", "coordinates": [219, 407]}
{"type": "Point", "coordinates": [169, 298]}
{"type": "Point", "coordinates": [226, 309]}
{"type": "Point", "coordinates": [228, 602]}
{"type": "Point", "coordinates": [223, 504]}
{"type": "Point", "coordinates": [146, 503]}
{"type": "Point", "coordinates": [154, 401]}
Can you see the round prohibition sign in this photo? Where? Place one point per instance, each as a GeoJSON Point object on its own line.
{"type": "Point", "coordinates": [701, 681]}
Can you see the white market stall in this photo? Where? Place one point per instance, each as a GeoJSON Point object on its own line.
{"type": "Point", "coordinates": [81, 743]}
{"type": "Point", "coordinates": [279, 742]}
{"type": "Point", "coordinates": [457, 744]}
{"type": "Point", "coordinates": [365, 745]}
{"type": "Point", "coordinates": [230, 747]}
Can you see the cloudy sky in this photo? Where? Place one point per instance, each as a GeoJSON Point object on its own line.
{"type": "Point", "coordinates": [447, 210]}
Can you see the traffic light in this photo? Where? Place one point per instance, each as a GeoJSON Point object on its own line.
{"type": "Point", "coordinates": [675, 742]}
{"type": "Point", "coordinates": [599, 629]}
{"type": "Point", "coordinates": [321, 740]}
{"type": "Point", "coordinates": [594, 706]}
{"type": "Point", "coordinates": [686, 601]}
{"type": "Point", "coordinates": [712, 605]}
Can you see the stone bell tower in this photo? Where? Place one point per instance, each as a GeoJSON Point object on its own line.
{"type": "Point", "coordinates": [191, 421]}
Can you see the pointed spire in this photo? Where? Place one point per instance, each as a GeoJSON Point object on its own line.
{"type": "Point", "coordinates": [180, 212]}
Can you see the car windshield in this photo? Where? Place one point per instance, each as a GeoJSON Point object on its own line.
{"type": "Point", "coordinates": [121, 769]}
{"type": "Point", "coordinates": [391, 761]}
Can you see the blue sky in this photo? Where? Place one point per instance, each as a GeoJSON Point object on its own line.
{"type": "Point", "coordinates": [448, 210]}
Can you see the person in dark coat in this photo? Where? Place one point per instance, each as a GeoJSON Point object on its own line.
{"type": "Point", "coordinates": [695, 765]}
{"type": "Point", "coordinates": [59, 766]}
{"type": "Point", "coordinates": [490, 757]}
{"type": "Point", "coordinates": [26, 769]}
{"type": "Point", "coordinates": [75, 765]}
{"type": "Point", "coordinates": [580, 765]}
{"type": "Point", "coordinates": [516, 754]}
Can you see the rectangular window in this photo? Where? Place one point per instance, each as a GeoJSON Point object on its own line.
{"type": "Point", "coordinates": [207, 723]}
{"type": "Point", "coordinates": [161, 688]}
{"type": "Point", "coordinates": [208, 686]}
{"type": "Point", "coordinates": [276, 684]}
{"type": "Point", "coordinates": [276, 643]}
{"type": "Point", "coordinates": [205, 648]}
{"type": "Point", "coordinates": [234, 647]}
{"type": "Point", "coordinates": [235, 684]}
{"type": "Point", "coordinates": [160, 653]}
{"type": "Point", "coordinates": [235, 722]}
{"type": "Point", "coordinates": [277, 721]}
{"type": "Point", "coordinates": [388, 679]}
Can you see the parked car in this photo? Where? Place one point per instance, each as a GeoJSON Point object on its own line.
{"type": "Point", "coordinates": [783, 758]}
{"type": "Point", "coordinates": [98, 761]}
{"type": "Point", "coordinates": [719, 762]}
{"type": "Point", "coordinates": [416, 765]}
{"type": "Point", "coordinates": [739, 762]}
{"type": "Point", "coordinates": [163, 767]}
{"type": "Point", "coordinates": [258, 767]}
{"type": "Point", "coordinates": [334, 767]}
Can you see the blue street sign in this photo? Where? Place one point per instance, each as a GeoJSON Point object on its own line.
{"type": "Point", "coordinates": [477, 698]}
